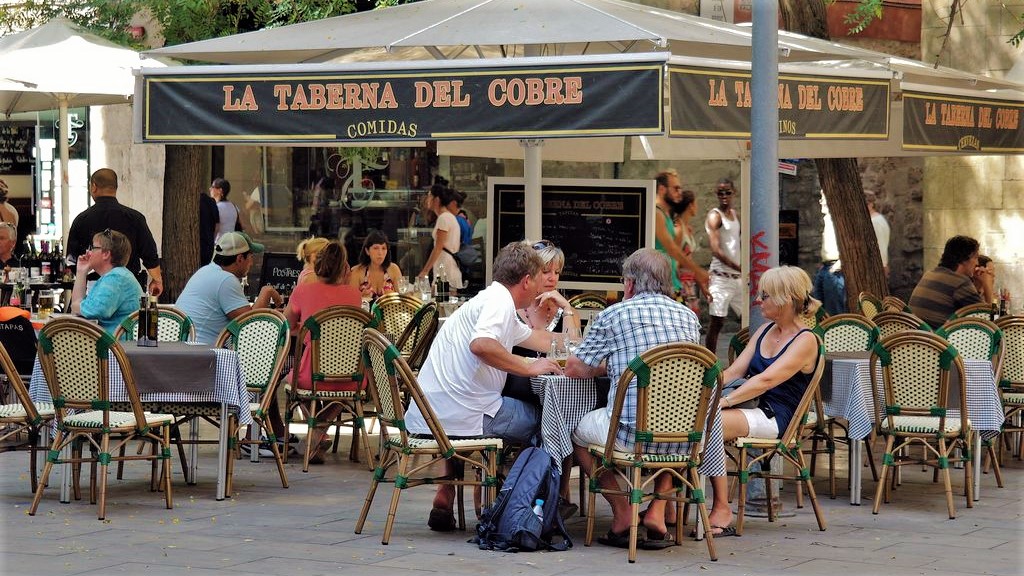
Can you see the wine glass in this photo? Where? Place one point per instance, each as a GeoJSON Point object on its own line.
{"type": "Point", "coordinates": [571, 337]}
{"type": "Point", "coordinates": [403, 285]}
{"type": "Point", "coordinates": [424, 288]}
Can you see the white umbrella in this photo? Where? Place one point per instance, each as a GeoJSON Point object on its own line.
{"type": "Point", "coordinates": [58, 66]}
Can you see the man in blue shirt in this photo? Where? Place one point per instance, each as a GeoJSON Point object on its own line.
{"type": "Point", "coordinates": [213, 295]}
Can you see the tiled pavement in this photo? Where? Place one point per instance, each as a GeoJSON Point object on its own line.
{"type": "Point", "coordinates": [308, 529]}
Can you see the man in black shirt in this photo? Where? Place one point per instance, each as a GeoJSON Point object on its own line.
{"type": "Point", "coordinates": [106, 213]}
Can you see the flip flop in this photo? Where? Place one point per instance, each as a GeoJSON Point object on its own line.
{"type": "Point", "coordinates": [656, 541]}
{"type": "Point", "coordinates": [725, 532]}
{"type": "Point", "coordinates": [616, 540]}
{"type": "Point", "coordinates": [441, 520]}
{"type": "Point", "coordinates": [644, 511]}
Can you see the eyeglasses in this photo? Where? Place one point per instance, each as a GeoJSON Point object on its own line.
{"type": "Point", "coordinates": [94, 247]}
{"type": "Point", "coordinates": [763, 296]}
{"type": "Point", "coordinates": [724, 192]}
{"type": "Point", "coordinates": [542, 244]}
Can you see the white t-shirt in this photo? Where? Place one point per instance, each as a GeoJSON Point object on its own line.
{"type": "Point", "coordinates": [881, 227]}
{"type": "Point", "coordinates": [228, 216]}
{"type": "Point", "coordinates": [447, 222]}
{"type": "Point", "coordinates": [459, 386]}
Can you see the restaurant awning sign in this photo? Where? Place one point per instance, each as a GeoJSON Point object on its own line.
{"type": "Point", "coordinates": [316, 105]}
{"type": "Point", "coordinates": [712, 102]}
{"type": "Point", "coordinates": [944, 122]}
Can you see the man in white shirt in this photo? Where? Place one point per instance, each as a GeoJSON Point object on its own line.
{"type": "Point", "coordinates": [881, 226]}
{"type": "Point", "coordinates": [465, 370]}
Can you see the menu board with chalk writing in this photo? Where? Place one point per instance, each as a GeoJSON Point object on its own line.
{"type": "Point", "coordinates": [16, 142]}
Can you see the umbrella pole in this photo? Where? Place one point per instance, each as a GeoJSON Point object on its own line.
{"type": "Point", "coordinates": [532, 162]}
{"type": "Point", "coordinates": [65, 209]}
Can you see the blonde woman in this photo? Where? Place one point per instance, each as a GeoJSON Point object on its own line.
{"type": "Point", "coordinates": [306, 252]}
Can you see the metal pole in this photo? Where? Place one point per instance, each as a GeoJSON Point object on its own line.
{"type": "Point", "coordinates": [62, 145]}
{"type": "Point", "coordinates": [764, 183]}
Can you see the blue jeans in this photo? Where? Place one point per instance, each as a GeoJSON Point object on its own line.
{"type": "Point", "coordinates": [830, 289]}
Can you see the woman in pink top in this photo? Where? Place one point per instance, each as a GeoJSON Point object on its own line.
{"type": "Point", "coordinates": [306, 253]}
{"type": "Point", "coordinates": [329, 288]}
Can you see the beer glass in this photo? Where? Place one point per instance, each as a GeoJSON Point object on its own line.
{"type": "Point", "coordinates": [45, 303]}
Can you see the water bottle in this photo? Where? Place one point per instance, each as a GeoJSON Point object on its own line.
{"type": "Point", "coordinates": [538, 509]}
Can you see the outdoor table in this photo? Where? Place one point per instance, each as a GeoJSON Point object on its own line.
{"type": "Point", "coordinates": [566, 400]}
{"type": "Point", "coordinates": [847, 394]}
{"type": "Point", "coordinates": [192, 381]}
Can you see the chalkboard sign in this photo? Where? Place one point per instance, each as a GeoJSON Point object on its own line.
{"type": "Point", "coordinates": [596, 223]}
{"type": "Point", "coordinates": [16, 142]}
{"type": "Point", "coordinates": [280, 270]}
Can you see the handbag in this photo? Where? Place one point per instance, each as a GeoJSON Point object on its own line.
{"type": "Point", "coordinates": [752, 403]}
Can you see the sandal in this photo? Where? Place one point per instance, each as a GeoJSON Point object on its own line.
{"type": "Point", "coordinates": [441, 520]}
{"type": "Point", "coordinates": [616, 540]}
{"type": "Point", "coordinates": [656, 541]}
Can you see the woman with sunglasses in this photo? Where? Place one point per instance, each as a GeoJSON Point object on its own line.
{"type": "Point", "coordinates": [116, 294]}
{"type": "Point", "coordinates": [774, 370]}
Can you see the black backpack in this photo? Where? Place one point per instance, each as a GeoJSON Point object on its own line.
{"type": "Point", "coordinates": [468, 259]}
{"type": "Point", "coordinates": [510, 523]}
{"type": "Point", "coordinates": [19, 338]}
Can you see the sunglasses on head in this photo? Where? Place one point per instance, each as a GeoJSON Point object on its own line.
{"type": "Point", "coordinates": [542, 244]}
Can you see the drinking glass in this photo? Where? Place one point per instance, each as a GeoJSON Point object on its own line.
{"type": "Point", "coordinates": [424, 287]}
{"type": "Point", "coordinates": [571, 337]}
{"type": "Point", "coordinates": [45, 303]}
{"type": "Point", "coordinates": [403, 285]}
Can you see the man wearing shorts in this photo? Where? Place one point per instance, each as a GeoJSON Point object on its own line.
{"type": "Point", "coordinates": [466, 366]}
{"type": "Point", "coordinates": [723, 228]}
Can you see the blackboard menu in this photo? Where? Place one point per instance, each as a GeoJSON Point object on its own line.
{"type": "Point", "coordinates": [16, 142]}
{"type": "Point", "coordinates": [280, 270]}
{"type": "Point", "coordinates": [596, 223]}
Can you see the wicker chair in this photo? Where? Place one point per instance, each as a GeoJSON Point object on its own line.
{"type": "Point", "coordinates": [333, 336]}
{"type": "Point", "coordinates": [1011, 383]}
{"type": "Point", "coordinates": [738, 342]}
{"type": "Point", "coordinates": [890, 323]}
{"type": "Point", "coordinates": [24, 417]}
{"type": "Point", "coordinates": [839, 333]}
{"type": "Point", "coordinates": [403, 459]}
{"type": "Point", "coordinates": [978, 339]}
{"type": "Point", "coordinates": [415, 341]}
{"type": "Point", "coordinates": [869, 304]}
{"type": "Point", "coordinates": [588, 305]}
{"type": "Point", "coordinates": [75, 355]}
{"type": "Point", "coordinates": [894, 304]}
{"type": "Point", "coordinates": [678, 386]}
{"type": "Point", "coordinates": [787, 446]}
{"type": "Point", "coordinates": [979, 310]}
{"type": "Point", "coordinates": [915, 383]}
{"type": "Point", "coordinates": [260, 338]}
{"type": "Point", "coordinates": [173, 326]}
{"type": "Point", "coordinates": [394, 312]}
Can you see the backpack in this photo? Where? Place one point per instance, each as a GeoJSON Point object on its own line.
{"type": "Point", "coordinates": [19, 338]}
{"type": "Point", "coordinates": [510, 523]}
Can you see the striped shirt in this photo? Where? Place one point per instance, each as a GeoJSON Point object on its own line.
{"type": "Point", "coordinates": [940, 293]}
{"type": "Point", "coordinates": [626, 330]}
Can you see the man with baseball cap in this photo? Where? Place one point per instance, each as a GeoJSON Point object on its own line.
{"type": "Point", "coordinates": [213, 295]}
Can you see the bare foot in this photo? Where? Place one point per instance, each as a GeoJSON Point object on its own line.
{"type": "Point", "coordinates": [721, 516]}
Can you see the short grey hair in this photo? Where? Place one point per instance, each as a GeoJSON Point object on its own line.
{"type": "Point", "coordinates": [649, 270]}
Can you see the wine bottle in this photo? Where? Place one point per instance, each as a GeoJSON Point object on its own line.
{"type": "Point", "coordinates": [143, 323]}
{"type": "Point", "coordinates": [153, 329]}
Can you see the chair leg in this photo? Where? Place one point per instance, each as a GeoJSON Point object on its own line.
{"type": "Point", "coordinates": [591, 504]}
{"type": "Point", "coordinates": [805, 478]}
{"type": "Point", "coordinates": [993, 458]}
{"type": "Point", "coordinates": [870, 457]}
{"type": "Point", "coordinates": [887, 457]}
{"type": "Point", "coordinates": [233, 440]}
{"type": "Point", "coordinates": [47, 467]}
{"type": "Point", "coordinates": [403, 469]}
{"type": "Point", "coordinates": [705, 519]}
{"type": "Point", "coordinates": [374, 482]}
{"type": "Point", "coordinates": [277, 453]}
{"type": "Point", "coordinates": [634, 520]}
{"type": "Point", "coordinates": [947, 482]}
{"type": "Point", "coordinates": [741, 491]}
{"type": "Point", "coordinates": [102, 489]}
{"type": "Point", "coordinates": [33, 451]}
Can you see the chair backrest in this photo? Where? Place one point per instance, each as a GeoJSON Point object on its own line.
{"type": "Point", "coordinates": [75, 355]}
{"type": "Point", "coordinates": [19, 337]}
{"type": "Point", "coordinates": [813, 320]}
{"type": "Point", "coordinates": [979, 310]}
{"type": "Point", "coordinates": [738, 342]}
{"type": "Point", "coordinates": [589, 300]}
{"type": "Point", "coordinates": [334, 335]}
{"type": "Point", "coordinates": [395, 311]}
{"type": "Point", "coordinates": [1013, 352]}
{"type": "Point", "coordinates": [916, 376]}
{"type": "Point", "coordinates": [869, 304]}
{"type": "Point", "coordinates": [173, 326]}
{"type": "Point", "coordinates": [894, 304]}
{"type": "Point", "coordinates": [847, 333]}
{"type": "Point", "coordinates": [890, 323]}
{"type": "Point", "coordinates": [810, 399]}
{"type": "Point", "coordinates": [20, 391]}
{"type": "Point", "coordinates": [677, 385]}
{"type": "Point", "coordinates": [975, 339]}
{"type": "Point", "coordinates": [260, 338]}
{"type": "Point", "coordinates": [390, 379]}
{"type": "Point", "coordinates": [415, 341]}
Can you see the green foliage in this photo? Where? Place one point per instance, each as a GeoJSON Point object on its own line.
{"type": "Point", "coordinates": [862, 16]}
{"type": "Point", "coordinates": [107, 18]}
